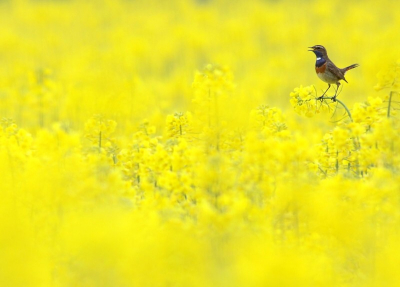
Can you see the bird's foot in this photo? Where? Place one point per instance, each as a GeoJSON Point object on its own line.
{"type": "Point", "coordinates": [333, 98]}
{"type": "Point", "coordinates": [321, 98]}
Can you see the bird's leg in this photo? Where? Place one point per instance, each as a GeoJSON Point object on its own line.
{"type": "Point", "coordinates": [320, 98]}
{"type": "Point", "coordinates": [337, 88]}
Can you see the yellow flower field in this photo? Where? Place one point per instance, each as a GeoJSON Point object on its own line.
{"type": "Point", "coordinates": [180, 143]}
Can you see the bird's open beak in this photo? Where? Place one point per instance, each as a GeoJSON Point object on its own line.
{"type": "Point", "coordinates": [312, 49]}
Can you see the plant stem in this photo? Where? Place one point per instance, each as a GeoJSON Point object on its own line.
{"type": "Point", "coordinates": [390, 103]}
{"type": "Point", "coordinates": [340, 102]}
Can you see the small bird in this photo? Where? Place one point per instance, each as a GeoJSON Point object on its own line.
{"type": "Point", "coordinates": [327, 71]}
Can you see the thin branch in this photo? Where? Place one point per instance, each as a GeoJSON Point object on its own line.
{"type": "Point", "coordinates": [340, 102]}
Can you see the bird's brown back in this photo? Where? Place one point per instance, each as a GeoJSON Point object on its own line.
{"type": "Point", "coordinates": [331, 67]}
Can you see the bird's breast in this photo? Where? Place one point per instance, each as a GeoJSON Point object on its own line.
{"type": "Point", "coordinates": [320, 69]}
{"type": "Point", "coordinates": [326, 75]}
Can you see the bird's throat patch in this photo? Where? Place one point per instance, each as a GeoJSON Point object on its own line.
{"type": "Point", "coordinates": [320, 61]}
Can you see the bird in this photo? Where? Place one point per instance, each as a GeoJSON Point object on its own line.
{"type": "Point", "coordinates": [327, 70]}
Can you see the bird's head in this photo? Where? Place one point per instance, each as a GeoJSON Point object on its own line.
{"type": "Point", "coordinates": [318, 50]}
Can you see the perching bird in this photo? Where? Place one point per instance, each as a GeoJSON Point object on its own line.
{"type": "Point", "coordinates": [327, 71]}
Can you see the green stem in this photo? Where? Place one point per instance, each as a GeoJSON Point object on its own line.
{"type": "Point", "coordinates": [340, 102]}
{"type": "Point", "coordinates": [337, 161]}
{"type": "Point", "coordinates": [390, 103]}
{"type": "Point", "coordinates": [347, 110]}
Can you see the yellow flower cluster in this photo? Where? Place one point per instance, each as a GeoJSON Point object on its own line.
{"type": "Point", "coordinates": [121, 166]}
{"type": "Point", "coordinates": [16, 142]}
{"type": "Point", "coordinates": [357, 144]}
{"type": "Point", "coordinates": [98, 130]}
{"type": "Point", "coordinates": [269, 120]}
{"type": "Point", "coordinates": [178, 125]}
{"type": "Point", "coordinates": [305, 102]}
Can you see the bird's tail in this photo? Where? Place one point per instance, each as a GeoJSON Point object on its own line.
{"type": "Point", "coordinates": [344, 70]}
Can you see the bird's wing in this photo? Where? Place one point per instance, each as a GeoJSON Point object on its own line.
{"type": "Point", "coordinates": [335, 70]}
